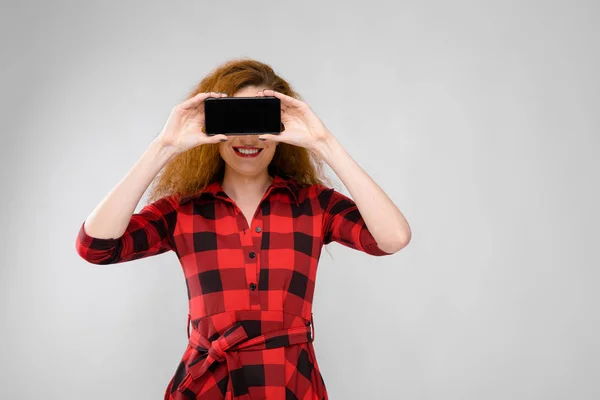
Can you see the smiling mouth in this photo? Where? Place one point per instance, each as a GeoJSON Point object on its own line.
{"type": "Point", "coordinates": [246, 151]}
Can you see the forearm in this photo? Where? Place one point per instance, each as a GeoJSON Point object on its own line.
{"type": "Point", "coordinates": [111, 217]}
{"type": "Point", "coordinates": [384, 220]}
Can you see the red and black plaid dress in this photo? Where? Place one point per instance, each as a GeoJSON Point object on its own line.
{"type": "Point", "coordinates": [250, 288]}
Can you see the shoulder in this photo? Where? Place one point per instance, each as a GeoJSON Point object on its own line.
{"type": "Point", "coordinates": [325, 195]}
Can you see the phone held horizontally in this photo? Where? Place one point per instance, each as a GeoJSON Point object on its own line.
{"type": "Point", "coordinates": [242, 115]}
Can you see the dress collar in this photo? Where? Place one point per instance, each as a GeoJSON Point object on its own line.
{"type": "Point", "coordinates": [215, 189]}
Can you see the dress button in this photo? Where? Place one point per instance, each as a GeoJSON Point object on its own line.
{"type": "Point", "coordinates": [252, 254]}
{"type": "Point", "coordinates": [258, 229]}
{"type": "Point", "coordinates": [252, 286]}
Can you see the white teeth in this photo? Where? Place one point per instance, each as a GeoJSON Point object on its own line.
{"type": "Point", "coordinates": [246, 151]}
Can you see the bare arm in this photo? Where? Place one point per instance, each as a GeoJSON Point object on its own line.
{"type": "Point", "coordinates": [112, 233]}
{"type": "Point", "coordinates": [111, 217]}
{"type": "Point", "coordinates": [182, 131]}
{"type": "Point", "coordinates": [384, 220]}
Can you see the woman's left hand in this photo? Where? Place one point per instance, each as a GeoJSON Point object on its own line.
{"type": "Point", "coordinates": [302, 127]}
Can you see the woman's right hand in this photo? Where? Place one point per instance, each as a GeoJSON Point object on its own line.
{"type": "Point", "coordinates": [183, 129]}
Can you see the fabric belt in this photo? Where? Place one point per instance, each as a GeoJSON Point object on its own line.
{"type": "Point", "coordinates": [225, 347]}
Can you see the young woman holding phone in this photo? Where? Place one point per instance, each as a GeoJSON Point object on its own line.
{"type": "Point", "coordinates": [247, 217]}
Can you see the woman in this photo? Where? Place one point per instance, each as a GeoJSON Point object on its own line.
{"type": "Point", "coordinates": [247, 227]}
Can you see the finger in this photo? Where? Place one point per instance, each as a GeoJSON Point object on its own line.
{"type": "Point", "coordinates": [198, 99]}
{"type": "Point", "coordinates": [261, 93]}
{"type": "Point", "coordinates": [284, 107]}
{"type": "Point", "coordinates": [217, 139]}
{"type": "Point", "coordinates": [269, 136]}
{"type": "Point", "coordinates": [285, 99]}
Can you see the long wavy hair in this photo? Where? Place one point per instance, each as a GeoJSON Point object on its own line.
{"type": "Point", "coordinates": [196, 168]}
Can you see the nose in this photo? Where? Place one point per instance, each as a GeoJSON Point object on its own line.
{"type": "Point", "coordinates": [245, 140]}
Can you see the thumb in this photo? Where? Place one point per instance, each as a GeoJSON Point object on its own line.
{"type": "Point", "coordinates": [269, 136]}
{"type": "Point", "coordinates": [218, 139]}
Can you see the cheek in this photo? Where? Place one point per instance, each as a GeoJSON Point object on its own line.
{"type": "Point", "coordinates": [223, 149]}
{"type": "Point", "coordinates": [270, 152]}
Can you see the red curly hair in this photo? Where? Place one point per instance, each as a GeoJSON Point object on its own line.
{"type": "Point", "coordinates": [196, 168]}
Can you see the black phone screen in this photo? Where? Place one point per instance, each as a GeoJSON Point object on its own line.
{"type": "Point", "coordinates": [242, 115]}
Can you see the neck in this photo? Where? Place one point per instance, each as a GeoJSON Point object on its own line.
{"type": "Point", "coordinates": [238, 186]}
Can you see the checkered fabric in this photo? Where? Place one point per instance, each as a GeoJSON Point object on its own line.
{"type": "Point", "coordinates": [250, 286]}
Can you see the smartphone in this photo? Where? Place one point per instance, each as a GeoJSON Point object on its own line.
{"type": "Point", "coordinates": [242, 115]}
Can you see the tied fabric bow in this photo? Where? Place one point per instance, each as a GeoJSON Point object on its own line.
{"type": "Point", "coordinates": [225, 348]}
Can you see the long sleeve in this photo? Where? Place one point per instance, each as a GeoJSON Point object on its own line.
{"type": "Point", "coordinates": [150, 232]}
{"type": "Point", "coordinates": [343, 223]}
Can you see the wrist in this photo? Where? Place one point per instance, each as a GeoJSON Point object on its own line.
{"type": "Point", "coordinates": [324, 148]}
{"type": "Point", "coordinates": [162, 152]}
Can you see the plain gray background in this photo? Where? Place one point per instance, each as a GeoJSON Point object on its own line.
{"type": "Point", "coordinates": [478, 118]}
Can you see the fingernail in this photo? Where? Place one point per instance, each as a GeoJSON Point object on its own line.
{"type": "Point", "coordinates": [261, 138]}
{"type": "Point", "coordinates": [223, 140]}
